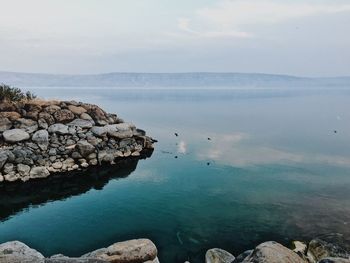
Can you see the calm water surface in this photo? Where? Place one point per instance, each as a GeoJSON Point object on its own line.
{"type": "Point", "coordinates": [274, 168]}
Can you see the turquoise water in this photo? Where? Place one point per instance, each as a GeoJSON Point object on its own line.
{"type": "Point", "coordinates": [273, 169]}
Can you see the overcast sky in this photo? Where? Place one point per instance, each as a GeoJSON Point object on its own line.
{"type": "Point", "coordinates": [307, 38]}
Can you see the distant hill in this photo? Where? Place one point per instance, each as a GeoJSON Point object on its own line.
{"type": "Point", "coordinates": [175, 80]}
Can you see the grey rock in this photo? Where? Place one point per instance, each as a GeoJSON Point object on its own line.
{"type": "Point", "coordinates": [85, 148]}
{"type": "Point", "coordinates": [43, 124]}
{"type": "Point", "coordinates": [76, 155]}
{"type": "Point", "coordinates": [85, 116]}
{"type": "Point", "coordinates": [3, 158]}
{"type": "Point", "coordinates": [58, 128]}
{"type": "Point", "coordinates": [39, 172]}
{"type": "Point", "coordinates": [84, 124]}
{"type": "Point", "coordinates": [11, 177]}
{"type": "Point", "coordinates": [15, 135]}
{"type": "Point", "coordinates": [273, 252]}
{"type": "Point", "coordinates": [57, 165]}
{"type": "Point", "coordinates": [1, 178]}
{"type": "Point", "coordinates": [319, 249]}
{"type": "Point", "coordinates": [5, 124]}
{"type": "Point", "coordinates": [136, 251]}
{"type": "Point", "coordinates": [121, 130]}
{"type": "Point", "coordinates": [99, 131]}
{"type": "Point", "coordinates": [17, 252]}
{"type": "Point", "coordinates": [52, 152]}
{"type": "Point", "coordinates": [8, 168]}
{"type": "Point", "coordinates": [41, 137]}
{"type": "Point", "coordinates": [23, 169]}
{"type": "Point", "coordinates": [28, 125]}
{"type": "Point", "coordinates": [217, 255]}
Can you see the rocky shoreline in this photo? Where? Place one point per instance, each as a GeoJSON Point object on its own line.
{"type": "Point", "coordinates": [318, 250]}
{"type": "Point", "coordinates": [39, 138]}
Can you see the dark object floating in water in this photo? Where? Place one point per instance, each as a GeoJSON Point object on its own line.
{"type": "Point", "coordinates": [209, 139]}
{"type": "Point", "coordinates": [335, 131]}
{"type": "Point", "coordinates": [208, 163]}
{"type": "Point", "coordinates": [176, 134]}
{"type": "Point", "coordinates": [175, 157]}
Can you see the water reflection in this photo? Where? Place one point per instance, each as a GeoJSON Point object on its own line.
{"type": "Point", "coordinates": [16, 197]}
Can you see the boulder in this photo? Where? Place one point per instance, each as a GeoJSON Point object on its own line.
{"type": "Point", "coordinates": [63, 116]}
{"type": "Point", "coordinates": [217, 255]}
{"type": "Point", "coordinates": [17, 252]}
{"type": "Point", "coordinates": [11, 177]}
{"type": "Point", "coordinates": [319, 249]}
{"type": "Point", "coordinates": [41, 138]}
{"type": "Point", "coordinates": [135, 251]}
{"type": "Point", "coordinates": [58, 128]}
{"type": "Point", "coordinates": [8, 168]}
{"type": "Point", "coordinates": [28, 125]}
{"type": "Point", "coordinates": [85, 116]}
{"type": "Point", "coordinates": [52, 109]}
{"type": "Point", "coordinates": [97, 114]}
{"type": "Point", "coordinates": [49, 119]}
{"type": "Point", "coordinates": [11, 115]}
{"type": "Point", "coordinates": [81, 123]}
{"type": "Point", "coordinates": [23, 169]}
{"type": "Point", "coordinates": [99, 131]}
{"type": "Point", "coordinates": [120, 131]}
{"type": "Point", "coordinates": [85, 148]}
{"type": "Point", "coordinates": [77, 110]}
{"type": "Point", "coordinates": [15, 135]}
{"type": "Point", "coordinates": [39, 172]}
{"type": "Point", "coordinates": [5, 124]}
{"type": "Point", "coordinates": [272, 252]}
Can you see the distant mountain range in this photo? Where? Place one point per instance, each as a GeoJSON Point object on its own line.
{"type": "Point", "coordinates": [175, 80]}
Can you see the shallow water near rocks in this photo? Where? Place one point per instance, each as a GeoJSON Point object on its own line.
{"type": "Point", "coordinates": [247, 166]}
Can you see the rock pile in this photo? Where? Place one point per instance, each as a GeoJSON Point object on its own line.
{"type": "Point", "coordinates": [38, 138]}
{"type": "Point", "coordinates": [132, 251]}
{"type": "Point", "coordinates": [317, 251]}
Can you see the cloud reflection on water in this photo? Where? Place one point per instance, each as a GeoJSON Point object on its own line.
{"type": "Point", "coordinates": [238, 149]}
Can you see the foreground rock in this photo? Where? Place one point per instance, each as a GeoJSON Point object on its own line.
{"type": "Point", "coordinates": [272, 252]}
{"type": "Point", "coordinates": [319, 250]}
{"type": "Point", "coordinates": [217, 255]}
{"type": "Point", "coordinates": [17, 252]}
{"type": "Point", "coordinates": [39, 138]}
{"type": "Point", "coordinates": [132, 251]}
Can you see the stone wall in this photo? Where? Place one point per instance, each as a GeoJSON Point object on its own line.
{"type": "Point", "coordinates": [39, 138]}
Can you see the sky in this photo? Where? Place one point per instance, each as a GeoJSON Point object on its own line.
{"type": "Point", "coordinates": [304, 38]}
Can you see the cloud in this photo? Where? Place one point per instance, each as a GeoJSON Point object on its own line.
{"type": "Point", "coordinates": [229, 18]}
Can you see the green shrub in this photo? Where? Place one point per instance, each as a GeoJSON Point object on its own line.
{"type": "Point", "coordinates": [8, 93]}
